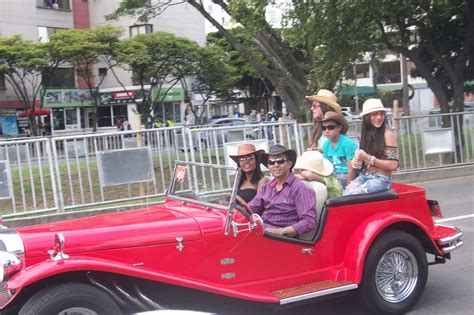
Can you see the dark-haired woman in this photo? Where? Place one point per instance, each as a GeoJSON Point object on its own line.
{"type": "Point", "coordinates": [321, 103]}
{"type": "Point", "coordinates": [377, 157]}
{"type": "Point", "coordinates": [252, 180]}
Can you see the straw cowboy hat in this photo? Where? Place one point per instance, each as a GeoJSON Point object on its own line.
{"type": "Point", "coordinates": [314, 161]}
{"type": "Point", "coordinates": [246, 149]}
{"type": "Point", "coordinates": [338, 119]}
{"type": "Point", "coordinates": [327, 97]}
{"type": "Point", "coordinates": [277, 150]}
{"type": "Point", "coordinates": [372, 105]}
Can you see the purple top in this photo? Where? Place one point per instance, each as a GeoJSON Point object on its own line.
{"type": "Point", "coordinates": [294, 205]}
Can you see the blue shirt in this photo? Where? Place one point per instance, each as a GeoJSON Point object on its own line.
{"type": "Point", "coordinates": [341, 153]}
{"type": "Point", "coordinates": [294, 205]}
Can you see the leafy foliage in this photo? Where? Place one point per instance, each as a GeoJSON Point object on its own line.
{"type": "Point", "coordinates": [250, 81]}
{"type": "Point", "coordinates": [27, 67]}
{"type": "Point", "coordinates": [322, 38]}
{"type": "Point", "coordinates": [84, 48]}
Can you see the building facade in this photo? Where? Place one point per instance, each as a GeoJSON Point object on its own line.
{"type": "Point", "coordinates": [389, 77]}
{"type": "Point", "coordinates": [68, 100]}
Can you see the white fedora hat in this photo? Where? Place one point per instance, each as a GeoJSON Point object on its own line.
{"type": "Point", "coordinates": [372, 105]}
{"type": "Point", "coordinates": [314, 161]}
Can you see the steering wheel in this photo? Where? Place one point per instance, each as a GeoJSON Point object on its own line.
{"type": "Point", "coordinates": [243, 204]}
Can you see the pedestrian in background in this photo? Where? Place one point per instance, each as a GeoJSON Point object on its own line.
{"type": "Point", "coordinates": [261, 115]}
{"type": "Point", "coordinates": [118, 123]}
{"type": "Point", "coordinates": [125, 124]}
{"type": "Point", "coordinates": [189, 118]}
{"type": "Point", "coordinates": [321, 103]}
{"type": "Point", "coordinates": [253, 116]}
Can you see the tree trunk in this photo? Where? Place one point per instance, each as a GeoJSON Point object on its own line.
{"type": "Point", "coordinates": [375, 72]}
{"type": "Point", "coordinates": [288, 83]}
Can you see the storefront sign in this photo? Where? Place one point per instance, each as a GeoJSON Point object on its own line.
{"type": "Point", "coordinates": [173, 94]}
{"type": "Point", "coordinates": [8, 123]}
{"type": "Point", "coordinates": [67, 98]}
{"type": "Point", "coordinates": [119, 97]}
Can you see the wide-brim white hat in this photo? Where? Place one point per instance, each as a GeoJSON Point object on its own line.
{"type": "Point", "coordinates": [372, 105]}
{"type": "Point", "coordinates": [314, 161]}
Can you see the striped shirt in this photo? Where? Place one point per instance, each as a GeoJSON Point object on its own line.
{"type": "Point", "coordinates": [294, 205]}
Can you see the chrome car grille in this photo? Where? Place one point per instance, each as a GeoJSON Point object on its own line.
{"type": "Point", "coordinates": [5, 295]}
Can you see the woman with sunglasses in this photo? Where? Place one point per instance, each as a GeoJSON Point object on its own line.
{"type": "Point", "coordinates": [377, 157]}
{"type": "Point", "coordinates": [252, 180]}
{"type": "Point", "coordinates": [321, 103]}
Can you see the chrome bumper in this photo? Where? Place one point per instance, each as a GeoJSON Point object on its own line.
{"type": "Point", "coordinates": [450, 243]}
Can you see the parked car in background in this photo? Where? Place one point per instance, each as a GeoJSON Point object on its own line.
{"type": "Point", "coordinates": [377, 244]}
{"type": "Point", "coordinates": [218, 131]}
{"type": "Point", "coordinates": [228, 121]}
{"type": "Point", "coordinates": [469, 106]}
{"type": "Point", "coordinates": [350, 117]}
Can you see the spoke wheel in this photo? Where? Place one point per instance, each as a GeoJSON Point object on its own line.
{"type": "Point", "coordinates": [396, 275]}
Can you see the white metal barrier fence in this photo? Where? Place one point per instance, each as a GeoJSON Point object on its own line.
{"type": "Point", "coordinates": [44, 175]}
{"type": "Point", "coordinates": [424, 142]}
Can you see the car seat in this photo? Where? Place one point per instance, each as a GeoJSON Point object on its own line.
{"type": "Point", "coordinates": [321, 196]}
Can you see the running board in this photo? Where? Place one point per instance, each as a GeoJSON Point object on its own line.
{"type": "Point", "coordinates": [312, 290]}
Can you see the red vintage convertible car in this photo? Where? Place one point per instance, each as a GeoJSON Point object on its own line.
{"type": "Point", "coordinates": [200, 239]}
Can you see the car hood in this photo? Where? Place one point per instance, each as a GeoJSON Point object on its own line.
{"type": "Point", "coordinates": [144, 227]}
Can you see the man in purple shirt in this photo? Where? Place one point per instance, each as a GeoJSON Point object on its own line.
{"type": "Point", "coordinates": [288, 207]}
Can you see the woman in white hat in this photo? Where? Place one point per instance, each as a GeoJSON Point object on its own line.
{"type": "Point", "coordinates": [248, 158]}
{"type": "Point", "coordinates": [321, 103]}
{"type": "Point", "coordinates": [377, 157]}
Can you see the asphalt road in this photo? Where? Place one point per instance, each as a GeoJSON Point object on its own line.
{"type": "Point", "coordinates": [450, 287]}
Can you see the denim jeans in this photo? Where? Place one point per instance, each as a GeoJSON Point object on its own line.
{"type": "Point", "coordinates": [368, 183]}
{"type": "Point", "coordinates": [342, 179]}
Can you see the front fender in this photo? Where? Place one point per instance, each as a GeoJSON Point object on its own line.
{"type": "Point", "coordinates": [50, 268]}
{"type": "Point", "coordinates": [364, 236]}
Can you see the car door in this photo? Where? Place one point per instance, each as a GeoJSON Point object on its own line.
{"type": "Point", "coordinates": [258, 257]}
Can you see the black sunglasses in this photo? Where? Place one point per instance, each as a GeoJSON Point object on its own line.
{"type": "Point", "coordinates": [330, 127]}
{"type": "Point", "coordinates": [246, 158]}
{"type": "Point", "coordinates": [279, 161]}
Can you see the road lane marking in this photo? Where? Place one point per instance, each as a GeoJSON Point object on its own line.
{"type": "Point", "coordinates": [461, 217]}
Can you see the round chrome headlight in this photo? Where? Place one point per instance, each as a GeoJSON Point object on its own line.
{"type": "Point", "coordinates": [11, 251]}
{"type": "Point", "coordinates": [9, 265]}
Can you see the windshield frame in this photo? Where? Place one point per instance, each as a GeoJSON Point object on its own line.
{"type": "Point", "coordinates": [192, 180]}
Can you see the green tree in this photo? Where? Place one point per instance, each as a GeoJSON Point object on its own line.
{"type": "Point", "coordinates": [215, 75]}
{"type": "Point", "coordinates": [157, 60]}
{"type": "Point", "coordinates": [321, 38]}
{"type": "Point", "coordinates": [28, 67]}
{"type": "Point", "coordinates": [251, 82]}
{"type": "Point", "coordinates": [437, 36]}
{"type": "Point", "coordinates": [282, 70]}
{"type": "Point", "coordinates": [84, 48]}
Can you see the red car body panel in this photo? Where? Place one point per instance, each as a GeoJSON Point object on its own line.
{"type": "Point", "coordinates": [144, 243]}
